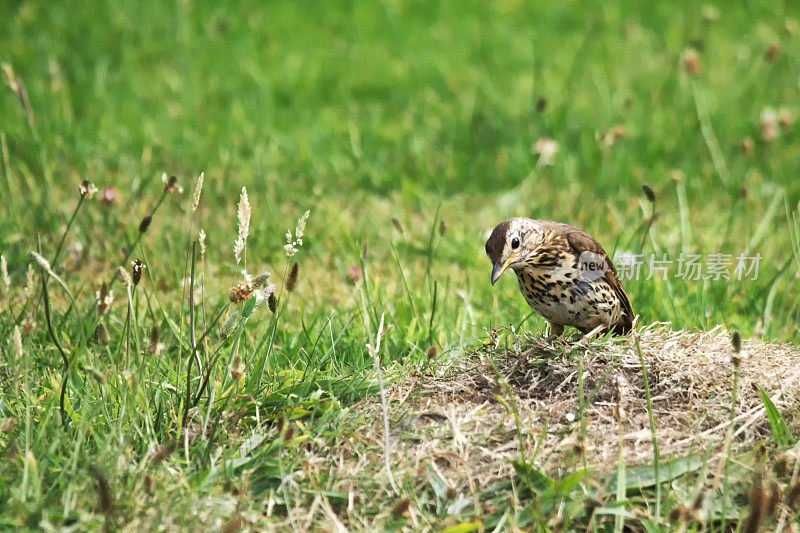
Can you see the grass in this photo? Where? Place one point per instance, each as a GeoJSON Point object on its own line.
{"type": "Point", "coordinates": [409, 130]}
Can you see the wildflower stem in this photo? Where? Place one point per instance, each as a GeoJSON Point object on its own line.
{"type": "Point", "coordinates": [650, 220]}
{"type": "Point", "coordinates": [258, 371]}
{"type": "Point", "coordinates": [66, 231]}
{"type": "Point", "coordinates": [191, 339]}
{"type": "Point", "coordinates": [64, 358]}
{"type": "Point", "coordinates": [213, 358]}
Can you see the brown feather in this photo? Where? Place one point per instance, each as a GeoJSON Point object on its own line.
{"type": "Point", "coordinates": [581, 242]}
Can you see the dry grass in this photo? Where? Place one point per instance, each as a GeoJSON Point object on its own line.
{"type": "Point", "coordinates": [461, 425]}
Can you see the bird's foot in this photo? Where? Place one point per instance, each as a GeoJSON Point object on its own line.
{"type": "Point", "coordinates": [584, 341]}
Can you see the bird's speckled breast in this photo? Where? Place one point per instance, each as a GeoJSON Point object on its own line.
{"type": "Point", "coordinates": [552, 286]}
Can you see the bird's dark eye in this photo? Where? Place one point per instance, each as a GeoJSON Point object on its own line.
{"type": "Point", "coordinates": [515, 243]}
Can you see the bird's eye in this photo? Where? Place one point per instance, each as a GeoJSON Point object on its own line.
{"type": "Point", "coordinates": [515, 243]}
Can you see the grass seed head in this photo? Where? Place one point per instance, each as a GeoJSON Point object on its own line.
{"type": "Point", "coordinates": [397, 225]}
{"type": "Point", "coordinates": [691, 62]}
{"type": "Point", "coordinates": [105, 297]}
{"type": "Point", "coordinates": [433, 352]}
{"type": "Point", "coordinates": [263, 294]}
{"type": "Point", "coordinates": [241, 292]}
{"type": "Point", "coordinates": [291, 281]}
{"type": "Point", "coordinates": [764, 500]}
{"type": "Point", "coordinates": [100, 334]}
{"type": "Point", "coordinates": [201, 239]}
{"type": "Point", "coordinates": [124, 276]}
{"type": "Point", "coordinates": [87, 189]}
{"type": "Point", "coordinates": [18, 343]}
{"type": "Point", "coordinates": [145, 223]}
{"type": "Point", "coordinates": [30, 282]}
{"type": "Point", "coordinates": [154, 341]}
{"type": "Point", "coordinates": [736, 342]}
{"type": "Point", "coordinates": [171, 184]}
{"type": "Point", "coordinates": [293, 244]}
{"type": "Point", "coordinates": [237, 368]}
{"type": "Point", "coordinates": [243, 216]}
{"type": "Point", "coordinates": [300, 228]}
{"type": "Point", "coordinates": [198, 189]}
{"type": "Point", "coordinates": [261, 280]}
{"type": "Point", "coordinates": [229, 326]}
{"type": "Point", "coordinates": [272, 302]}
{"type": "Point", "coordinates": [649, 193]}
{"type": "Point", "coordinates": [736, 347]}
{"type": "Point", "coordinates": [783, 464]}
{"type": "Point", "coordinates": [137, 268]}
{"type": "Point", "coordinates": [4, 274]}
{"type": "Point", "coordinates": [41, 262]}
{"type": "Point", "coordinates": [772, 52]}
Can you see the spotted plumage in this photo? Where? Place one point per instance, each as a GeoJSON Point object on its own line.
{"type": "Point", "coordinates": [563, 273]}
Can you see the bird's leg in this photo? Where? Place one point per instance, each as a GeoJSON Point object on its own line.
{"type": "Point", "coordinates": [584, 341]}
{"type": "Point", "coordinates": [556, 330]}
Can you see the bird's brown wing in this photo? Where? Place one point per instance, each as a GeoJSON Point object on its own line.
{"type": "Point", "coordinates": [580, 241]}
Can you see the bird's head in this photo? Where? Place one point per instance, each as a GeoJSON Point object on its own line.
{"type": "Point", "coordinates": [511, 243]}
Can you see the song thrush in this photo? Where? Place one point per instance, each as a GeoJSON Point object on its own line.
{"type": "Point", "coordinates": [564, 275]}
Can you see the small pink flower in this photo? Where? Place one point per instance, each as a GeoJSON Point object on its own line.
{"type": "Point", "coordinates": [109, 195]}
{"type": "Point", "coordinates": [355, 274]}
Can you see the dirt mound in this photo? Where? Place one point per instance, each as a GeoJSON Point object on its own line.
{"type": "Point", "coordinates": [475, 414]}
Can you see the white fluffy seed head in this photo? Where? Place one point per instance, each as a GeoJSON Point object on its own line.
{"type": "Point", "coordinates": [198, 189]}
{"type": "Point", "coordinates": [124, 276]}
{"type": "Point", "coordinates": [29, 281]}
{"type": "Point", "coordinates": [40, 261]}
{"type": "Point", "coordinates": [244, 225]}
{"type": "Point", "coordinates": [4, 273]}
{"type": "Point", "coordinates": [18, 343]}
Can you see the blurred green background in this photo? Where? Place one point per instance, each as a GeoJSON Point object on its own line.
{"type": "Point", "coordinates": [368, 111]}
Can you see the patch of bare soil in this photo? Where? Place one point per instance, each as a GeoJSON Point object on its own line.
{"type": "Point", "coordinates": [470, 421]}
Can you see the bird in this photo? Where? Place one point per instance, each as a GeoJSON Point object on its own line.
{"type": "Point", "coordinates": [564, 275]}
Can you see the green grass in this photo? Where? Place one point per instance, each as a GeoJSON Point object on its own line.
{"type": "Point", "coordinates": [364, 113]}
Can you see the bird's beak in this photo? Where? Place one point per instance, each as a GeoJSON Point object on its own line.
{"type": "Point", "coordinates": [498, 270]}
